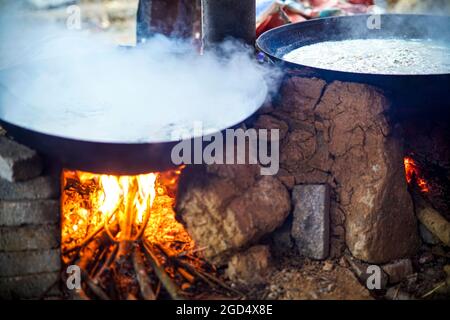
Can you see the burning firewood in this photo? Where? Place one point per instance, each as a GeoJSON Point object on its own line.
{"type": "Point", "coordinates": [162, 275]}
{"type": "Point", "coordinates": [122, 234]}
{"type": "Point", "coordinates": [142, 277]}
{"type": "Point", "coordinates": [435, 223]}
{"type": "Point", "coordinates": [426, 213]}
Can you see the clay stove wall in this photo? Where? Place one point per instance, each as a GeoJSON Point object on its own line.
{"type": "Point", "coordinates": [340, 134]}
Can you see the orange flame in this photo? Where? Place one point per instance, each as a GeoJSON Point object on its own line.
{"type": "Point", "coordinates": [413, 173]}
{"type": "Point", "coordinates": [140, 205]}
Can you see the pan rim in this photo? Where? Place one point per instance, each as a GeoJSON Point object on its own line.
{"type": "Point", "coordinates": [260, 45]}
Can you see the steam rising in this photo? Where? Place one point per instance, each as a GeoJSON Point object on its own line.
{"type": "Point", "coordinates": [79, 86]}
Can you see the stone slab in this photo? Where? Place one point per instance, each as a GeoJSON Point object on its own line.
{"type": "Point", "coordinates": [17, 162]}
{"type": "Point", "coordinates": [17, 213]}
{"type": "Point", "coordinates": [29, 287]}
{"type": "Point", "coordinates": [29, 238]}
{"type": "Point", "coordinates": [311, 223]}
{"type": "Point", "coordinates": [29, 262]}
{"type": "Point", "coordinates": [44, 187]}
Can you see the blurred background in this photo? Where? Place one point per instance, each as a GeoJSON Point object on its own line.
{"type": "Point", "coordinates": [117, 18]}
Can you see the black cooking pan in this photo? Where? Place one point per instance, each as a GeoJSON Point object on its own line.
{"type": "Point", "coordinates": [121, 153]}
{"type": "Point", "coordinates": [418, 89]}
{"type": "Point", "coordinates": [96, 157]}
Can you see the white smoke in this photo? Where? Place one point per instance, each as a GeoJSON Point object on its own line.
{"type": "Point", "coordinates": [80, 86]}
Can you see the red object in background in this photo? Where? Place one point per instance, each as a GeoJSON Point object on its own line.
{"type": "Point", "coordinates": [277, 14]}
{"type": "Point", "coordinates": [279, 17]}
{"type": "Point", "coordinates": [364, 2]}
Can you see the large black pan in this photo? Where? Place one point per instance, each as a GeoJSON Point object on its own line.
{"type": "Point", "coordinates": [115, 154]}
{"type": "Point", "coordinates": [429, 88]}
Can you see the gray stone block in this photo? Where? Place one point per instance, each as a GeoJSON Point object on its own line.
{"type": "Point", "coordinates": [29, 238]}
{"type": "Point", "coordinates": [17, 162]}
{"type": "Point", "coordinates": [22, 263]}
{"type": "Point", "coordinates": [30, 286]}
{"type": "Point", "coordinates": [40, 188]}
{"type": "Point", "coordinates": [311, 221]}
{"type": "Point", "coordinates": [17, 213]}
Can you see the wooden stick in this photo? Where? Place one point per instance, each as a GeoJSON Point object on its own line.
{"type": "Point", "coordinates": [126, 224]}
{"type": "Point", "coordinates": [124, 249]}
{"type": "Point", "coordinates": [85, 241]}
{"type": "Point", "coordinates": [440, 285]}
{"type": "Point", "coordinates": [98, 260]}
{"type": "Point", "coordinates": [93, 286]}
{"type": "Point", "coordinates": [186, 253]}
{"type": "Point", "coordinates": [142, 277]}
{"type": "Point", "coordinates": [211, 280]}
{"type": "Point", "coordinates": [198, 274]}
{"type": "Point", "coordinates": [435, 223]}
{"type": "Point", "coordinates": [79, 294]}
{"type": "Point", "coordinates": [181, 266]}
{"type": "Point", "coordinates": [158, 290]}
{"type": "Point", "coordinates": [189, 277]}
{"type": "Point", "coordinates": [431, 219]}
{"type": "Point", "coordinates": [161, 274]}
{"type": "Point", "coordinates": [144, 224]}
{"type": "Point", "coordinates": [90, 237]}
{"type": "Point", "coordinates": [131, 296]}
{"type": "Point", "coordinates": [109, 260]}
{"type": "Point", "coordinates": [88, 254]}
{"type": "Point", "coordinates": [221, 283]}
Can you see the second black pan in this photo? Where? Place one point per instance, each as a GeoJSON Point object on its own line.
{"type": "Point", "coordinates": [420, 89]}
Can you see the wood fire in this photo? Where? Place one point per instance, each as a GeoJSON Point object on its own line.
{"type": "Point", "coordinates": [413, 174]}
{"type": "Point", "coordinates": [122, 233]}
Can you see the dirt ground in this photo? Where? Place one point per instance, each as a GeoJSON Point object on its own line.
{"type": "Point", "coordinates": [313, 280]}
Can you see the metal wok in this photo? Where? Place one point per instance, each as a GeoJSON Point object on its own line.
{"type": "Point", "coordinates": [412, 88]}
{"type": "Point", "coordinates": [101, 152]}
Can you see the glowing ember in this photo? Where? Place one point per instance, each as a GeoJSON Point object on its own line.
{"type": "Point", "coordinates": [135, 206]}
{"type": "Point", "coordinates": [413, 173]}
{"type": "Point", "coordinates": [121, 232]}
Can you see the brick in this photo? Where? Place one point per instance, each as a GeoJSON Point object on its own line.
{"type": "Point", "coordinates": [30, 286]}
{"type": "Point", "coordinates": [40, 188]}
{"type": "Point", "coordinates": [29, 238]}
{"type": "Point", "coordinates": [17, 213]}
{"type": "Point", "coordinates": [17, 162]}
{"type": "Point", "coordinates": [310, 226]}
{"type": "Point", "coordinates": [22, 263]}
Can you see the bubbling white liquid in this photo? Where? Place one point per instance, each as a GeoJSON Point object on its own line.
{"type": "Point", "coordinates": [376, 56]}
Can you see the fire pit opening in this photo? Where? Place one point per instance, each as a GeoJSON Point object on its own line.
{"type": "Point", "coordinates": [121, 231]}
{"type": "Point", "coordinates": [414, 175]}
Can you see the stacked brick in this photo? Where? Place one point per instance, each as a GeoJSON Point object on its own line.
{"type": "Point", "coordinates": [29, 225]}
